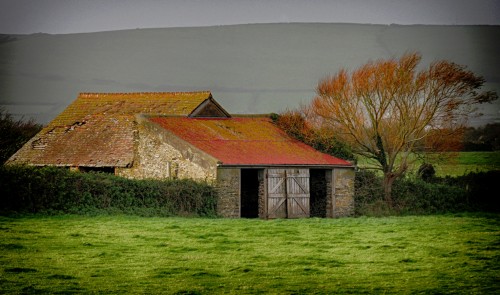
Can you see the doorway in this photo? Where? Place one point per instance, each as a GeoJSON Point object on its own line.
{"type": "Point", "coordinates": [319, 192]}
{"type": "Point", "coordinates": [249, 193]}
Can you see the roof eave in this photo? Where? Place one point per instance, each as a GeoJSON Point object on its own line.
{"type": "Point", "coordinates": [79, 165]}
{"type": "Point", "coordinates": [315, 166]}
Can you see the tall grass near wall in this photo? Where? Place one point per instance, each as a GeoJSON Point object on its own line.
{"type": "Point", "coordinates": [52, 190]}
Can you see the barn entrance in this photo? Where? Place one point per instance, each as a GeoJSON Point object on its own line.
{"type": "Point", "coordinates": [288, 193]}
{"type": "Point", "coordinates": [284, 193]}
{"type": "Point", "coordinates": [249, 193]}
{"type": "Point", "coordinates": [319, 192]}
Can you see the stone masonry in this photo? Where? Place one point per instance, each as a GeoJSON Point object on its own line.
{"type": "Point", "coordinates": [161, 155]}
{"type": "Point", "coordinates": [228, 189]}
{"type": "Point", "coordinates": [343, 192]}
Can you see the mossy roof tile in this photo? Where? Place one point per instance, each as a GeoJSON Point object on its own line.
{"type": "Point", "coordinates": [98, 129]}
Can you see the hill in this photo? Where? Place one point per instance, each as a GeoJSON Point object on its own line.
{"type": "Point", "coordinates": [259, 68]}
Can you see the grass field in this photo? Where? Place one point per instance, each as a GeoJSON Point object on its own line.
{"type": "Point", "coordinates": [122, 254]}
{"type": "Point", "coordinates": [455, 164]}
{"type": "Point", "coordinates": [469, 162]}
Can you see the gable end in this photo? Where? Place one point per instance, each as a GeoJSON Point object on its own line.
{"type": "Point", "coordinates": [209, 108]}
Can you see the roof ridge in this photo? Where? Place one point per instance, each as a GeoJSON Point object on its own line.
{"type": "Point", "coordinates": [93, 94]}
{"type": "Point", "coordinates": [248, 140]}
{"type": "Point", "coordinates": [251, 115]}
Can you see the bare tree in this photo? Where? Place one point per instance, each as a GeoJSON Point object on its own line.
{"type": "Point", "coordinates": [385, 109]}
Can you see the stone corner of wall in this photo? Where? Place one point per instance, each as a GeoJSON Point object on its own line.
{"type": "Point", "coordinates": [344, 193]}
{"type": "Point", "coordinates": [227, 187]}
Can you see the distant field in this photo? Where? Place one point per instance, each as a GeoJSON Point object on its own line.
{"type": "Point", "coordinates": [469, 162]}
{"type": "Point", "coordinates": [118, 254]}
{"type": "Point", "coordinates": [456, 164]}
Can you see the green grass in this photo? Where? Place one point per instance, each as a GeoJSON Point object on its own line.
{"type": "Point", "coordinates": [123, 254]}
{"type": "Point", "coordinates": [454, 164]}
{"type": "Point", "coordinates": [467, 162]}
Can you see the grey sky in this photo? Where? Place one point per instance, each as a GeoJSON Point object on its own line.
{"type": "Point", "coordinates": [75, 16]}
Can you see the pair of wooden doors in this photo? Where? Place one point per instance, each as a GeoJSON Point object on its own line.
{"type": "Point", "coordinates": [288, 193]}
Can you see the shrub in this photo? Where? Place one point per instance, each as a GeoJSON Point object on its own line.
{"type": "Point", "coordinates": [472, 192]}
{"type": "Point", "coordinates": [481, 188]}
{"type": "Point", "coordinates": [368, 193]}
{"type": "Point", "coordinates": [14, 133]}
{"type": "Point", "coordinates": [416, 196]}
{"type": "Point", "coordinates": [426, 172]}
{"type": "Point", "coordinates": [51, 190]}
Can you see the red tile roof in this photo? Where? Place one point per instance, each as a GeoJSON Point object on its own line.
{"type": "Point", "coordinates": [98, 129]}
{"type": "Point", "coordinates": [245, 141]}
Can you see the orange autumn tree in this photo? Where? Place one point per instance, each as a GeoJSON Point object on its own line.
{"type": "Point", "coordinates": [386, 109]}
{"type": "Point", "coordinates": [301, 125]}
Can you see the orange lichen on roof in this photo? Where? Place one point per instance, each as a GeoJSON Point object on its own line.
{"type": "Point", "coordinates": [97, 129]}
{"type": "Point", "coordinates": [172, 103]}
{"type": "Point", "coordinates": [245, 141]}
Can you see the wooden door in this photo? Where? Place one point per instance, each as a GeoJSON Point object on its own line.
{"type": "Point", "coordinates": [276, 193]}
{"type": "Point", "coordinates": [288, 193]}
{"type": "Point", "coordinates": [298, 196]}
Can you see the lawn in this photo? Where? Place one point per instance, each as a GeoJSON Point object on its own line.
{"type": "Point", "coordinates": [124, 254]}
{"type": "Point", "coordinates": [453, 164]}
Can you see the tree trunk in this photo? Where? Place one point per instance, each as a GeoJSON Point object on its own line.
{"type": "Point", "coordinates": [387, 184]}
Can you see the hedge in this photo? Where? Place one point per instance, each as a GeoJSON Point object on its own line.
{"type": "Point", "coordinates": [52, 190]}
{"type": "Point", "coordinates": [474, 192]}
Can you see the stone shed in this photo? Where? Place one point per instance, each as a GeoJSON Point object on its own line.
{"type": "Point", "coordinates": [258, 170]}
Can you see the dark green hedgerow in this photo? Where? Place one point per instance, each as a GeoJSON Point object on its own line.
{"type": "Point", "coordinates": [51, 190]}
{"type": "Point", "coordinates": [468, 193]}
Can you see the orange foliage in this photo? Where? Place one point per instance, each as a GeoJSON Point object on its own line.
{"type": "Point", "coordinates": [295, 124]}
{"type": "Point", "coordinates": [444, 140]}
{"type": "Point", "coordinates": [387, 109]}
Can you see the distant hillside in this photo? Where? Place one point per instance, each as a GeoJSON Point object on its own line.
{"type": "Point", "coordinates": [249, 68]}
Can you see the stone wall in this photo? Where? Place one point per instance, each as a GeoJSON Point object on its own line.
{"type": "Point", "coordinates": [343, 192]}
{"type": "Point", "coordinates": [228, 189]}
{"type": "Point", "coordinates": [160, 155]}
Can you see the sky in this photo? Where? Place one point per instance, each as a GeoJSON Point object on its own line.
{"type": "Point", "coordinates": [56, 67]}
{"type": "Point", "coordinates": [78, 16]}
